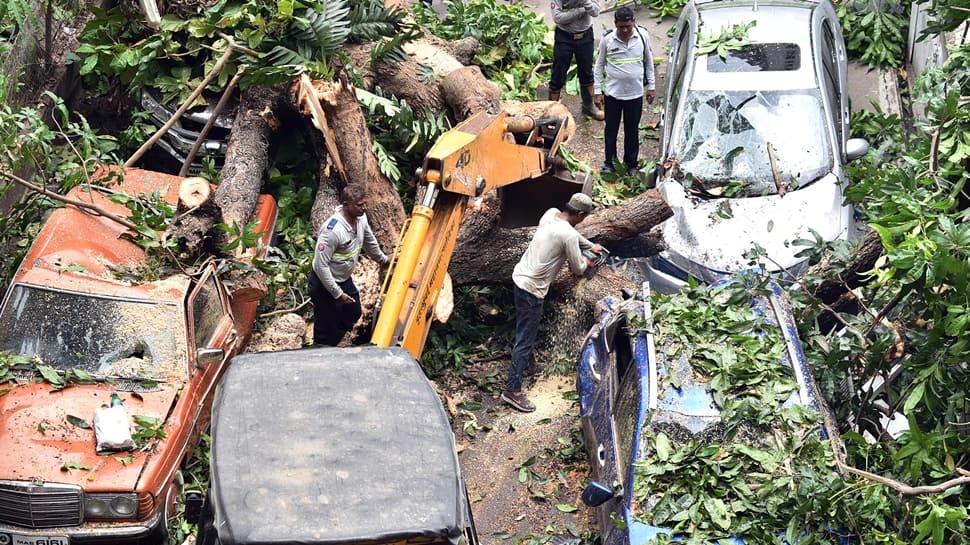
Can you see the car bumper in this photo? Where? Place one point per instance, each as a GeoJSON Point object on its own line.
{"type": "Point", "coordinates": [92, 532]}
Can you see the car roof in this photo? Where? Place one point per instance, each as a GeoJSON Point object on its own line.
{"type": "Point", "coordinates": [776, 22]}
{"type": "Point", "coordinates": [79, 251]}
{"type": "Point", "coordinates": [332, 445]}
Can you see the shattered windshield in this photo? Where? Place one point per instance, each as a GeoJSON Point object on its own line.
{"type": "Point", "coordinates": [728, 141]}
{"type": "Point", "coordinates": [100, 335]}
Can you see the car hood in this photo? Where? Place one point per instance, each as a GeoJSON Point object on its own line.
{"type": "Point", "coordinates": [43, 442]}
{"type": "Point", "coordinates": [715, 233]}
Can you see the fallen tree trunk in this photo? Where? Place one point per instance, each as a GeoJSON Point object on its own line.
{"type": "Point", "coordinates": [486, 253]}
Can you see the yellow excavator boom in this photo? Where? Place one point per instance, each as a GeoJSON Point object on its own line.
{"type": "Point", "coordinates": [483, 153]}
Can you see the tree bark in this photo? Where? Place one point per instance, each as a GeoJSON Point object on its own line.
{"type": "Point", "coordinates": [354, 160]}
{"type": "Point", "coordinates": [247, 155]}
{"type": "Point", "coordinates": [836, 291]}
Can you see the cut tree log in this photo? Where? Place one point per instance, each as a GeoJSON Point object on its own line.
{"type": "Point", "coordinates": [247, 155]}
{"type": "Point", "coordinates": [195, 216]}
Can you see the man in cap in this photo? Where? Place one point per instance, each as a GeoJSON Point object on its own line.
{"type": "Point", "coordinates": [555, 241]}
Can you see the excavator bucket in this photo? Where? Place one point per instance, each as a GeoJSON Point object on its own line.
{"type": "Point", "coordinates": [523, 203]}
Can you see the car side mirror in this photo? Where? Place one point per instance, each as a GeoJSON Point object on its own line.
{"type": "Point", "coordinates": [597, 494]}
{"type": "Point", "coordinates": [855, 148]}
{"type": "Point", "coordinates": [205, 357]}
{"type": "Point", "coordinates": [193, 506]}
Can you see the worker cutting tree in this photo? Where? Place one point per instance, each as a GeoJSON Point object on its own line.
{"type": "Point", "coordinates": [555, 241]}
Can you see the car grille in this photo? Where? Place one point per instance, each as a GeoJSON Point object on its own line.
{"type": "Point", "coordinates": [39, 505]}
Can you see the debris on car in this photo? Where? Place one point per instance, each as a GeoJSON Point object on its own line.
{"type": "Point", "coordinates": [714, 377]}
{"type": "Point", "coordinates": [755, 140]}
{"type": "Point", "coordinates": [78, 330]}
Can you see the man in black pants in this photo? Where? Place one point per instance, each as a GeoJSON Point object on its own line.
{"type": "Point", "coordinates": [574, 37]}
{"type": "Point", "coordinates": [624, 73]}
{"type": "Point", "coordinates": [336, 302]}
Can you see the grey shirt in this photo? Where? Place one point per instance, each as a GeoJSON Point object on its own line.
{"type": "Point", "coordinates": [623, 70]}
{"type": "Point", "coordinates": [574, 16]}
{"type": "Point", "coordinates": [338, 250]}
{"type": "Point", "coordinates": [555, 242]}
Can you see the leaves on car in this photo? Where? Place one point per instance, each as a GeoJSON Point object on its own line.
{"type": "Point", "coordinates": [728, 39]}
{"type": "Point", "coordinates": [765, 464]}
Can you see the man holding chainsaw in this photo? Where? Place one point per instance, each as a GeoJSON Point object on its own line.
{"type": "Point", "coordinates": [555, 242]}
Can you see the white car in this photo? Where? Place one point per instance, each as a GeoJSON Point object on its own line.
{"type": "Point", "coordinates": [754, 142]}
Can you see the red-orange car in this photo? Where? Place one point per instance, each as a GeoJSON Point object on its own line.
{"type": "Point", "coordinates": [162, 345]}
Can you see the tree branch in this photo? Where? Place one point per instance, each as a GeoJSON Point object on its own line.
{"type": "Point", "coordinates": [80, 204]}
{"type": "Point", "coordinates": [906, 489]}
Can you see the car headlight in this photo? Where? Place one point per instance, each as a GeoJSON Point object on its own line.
{"type": "Point", "coordinates": [110, 506]}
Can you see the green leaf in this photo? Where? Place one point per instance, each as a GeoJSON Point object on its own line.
{"type": "Point", "coordinates": [566, 508]}
{"type": "Point", "coordinates": [79, 422]}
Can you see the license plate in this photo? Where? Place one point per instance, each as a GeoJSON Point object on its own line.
{"type": "Point", "coordinates": [16, 539]}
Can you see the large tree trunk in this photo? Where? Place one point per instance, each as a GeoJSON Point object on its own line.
{"type": "Point", "coordinates": [351, 155]}
{"type": "Point", "coordinates": [247, 156]}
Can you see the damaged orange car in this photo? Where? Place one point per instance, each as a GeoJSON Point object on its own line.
{"type": "Point", "coordinates": [72, 332]}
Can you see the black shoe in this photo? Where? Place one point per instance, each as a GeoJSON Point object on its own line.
{"type": "Point", "coordinates": [607, 169]}
{"type": "Point", "coordinates": [518, 401]}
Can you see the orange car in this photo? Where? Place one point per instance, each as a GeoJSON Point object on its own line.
{"type": "Point", "coordinates": [161, 345]}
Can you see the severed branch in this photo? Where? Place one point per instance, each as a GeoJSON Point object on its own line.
{"type": "Point", "coordinates": [232, 48]}
{"type": "Point", "coordinates": [905, 489]}
{"type": "Point", "coordinates": [80, 204]}
{"type": "Point", "coordinates": [221, 105]}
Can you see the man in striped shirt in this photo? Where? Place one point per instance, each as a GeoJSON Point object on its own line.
{"type": "Point", "coordinates": [622, 77]}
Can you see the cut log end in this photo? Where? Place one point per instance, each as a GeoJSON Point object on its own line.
{"type": "Point", "coordinates": [194, 192]}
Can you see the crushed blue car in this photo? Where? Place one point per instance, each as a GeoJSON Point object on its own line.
{"type": "Point", "coordinates": [701, 420]}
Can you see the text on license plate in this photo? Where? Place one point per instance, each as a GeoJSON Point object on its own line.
{"type": "Point", "coordinates": [14, 539]}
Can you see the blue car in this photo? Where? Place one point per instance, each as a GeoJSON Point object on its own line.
{"type": "Point", "coordinates": [646, 390]}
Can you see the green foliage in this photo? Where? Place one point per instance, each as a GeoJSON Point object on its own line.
{"type": "Point", "coordinates": [285, 38]}
{"type": "Point", "coordinates": [911, 313]}
{"type": "Point", "coordinates": [766, 471]}
{"type": "Point", "coordinates": [875, 30]}
{"type": "Point", "coordinates": [478, 328]}
{"type": "Point", "coordinates": [729, 39]}
{"type": "Point", "coordinates": [514, 40]}
{"type": "Point", "coordinates": [147, 429]}
{"type": "Point", "coordinates": [664, 8]}
{"type": "Point", "coordinates": [399, 135]}
{"type": "Point", "coordinates": [614, 188]}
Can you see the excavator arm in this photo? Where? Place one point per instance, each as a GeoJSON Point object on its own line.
{"type": "Point", "coordinates": [483, 153]}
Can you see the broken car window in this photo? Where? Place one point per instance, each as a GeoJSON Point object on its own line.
{"type": "Point", "coordinates": [724, 138]}
{"type": "Point", "coordinates": [757, 58]}
{"type": "Point", "coordinates": [100, 335]}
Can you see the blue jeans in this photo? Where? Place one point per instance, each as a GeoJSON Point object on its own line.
{"type": "Point", "coordinates": [528, 311]}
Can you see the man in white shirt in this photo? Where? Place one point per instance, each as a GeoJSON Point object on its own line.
{"type": "Point", "coordinates": [555, 242]}
{"type": "Point", "coordinates": [622, 77]}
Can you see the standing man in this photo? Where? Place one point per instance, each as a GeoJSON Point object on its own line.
{"type": "Point", "coordinates": [336, 302]}
{"type": "Point", "coordinates": [624, 74]}
{"type": "Point", "coordinates": [555, 241]}
{"type": "Point", "coordinates": [574, 37]}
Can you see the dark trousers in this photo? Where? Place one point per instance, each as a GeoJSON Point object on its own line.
{"type": "Point", "coordinates": [528, 311]}
{"type": "Point", "coordinates": [629, 111]}
{"type": "Point", "coordinates": [331, 318]}
{"type": "Point", "coordinates": [563, 50]}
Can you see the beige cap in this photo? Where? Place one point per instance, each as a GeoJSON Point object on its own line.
{"type": "Point", "coordinates": [581, 202]}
